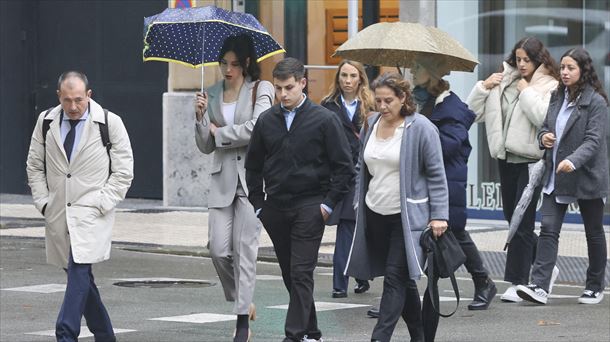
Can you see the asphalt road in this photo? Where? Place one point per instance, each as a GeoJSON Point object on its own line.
{"type": "Point", "coordinates": [139, 309]}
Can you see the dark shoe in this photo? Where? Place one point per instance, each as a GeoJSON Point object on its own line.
{"type": "Point", "coordinates": [591, 297]}
{"type": "Point", "coordinates": [362, 287]}
{"type": "Point", "coordinates": [532, 293]}
{"type": "Point", "coordinates": [373, 313]}
{"type": "Point", "coordinates": [484, 292]}
{"type": "Point", "coordinates": [339, 294]}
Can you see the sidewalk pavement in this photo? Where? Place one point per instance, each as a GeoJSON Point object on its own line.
{"type": "Point", "coordinates": [180, 230]}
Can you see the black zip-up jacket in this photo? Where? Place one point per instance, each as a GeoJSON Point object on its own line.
{"type": "Point", "coordinates": [310, 162]}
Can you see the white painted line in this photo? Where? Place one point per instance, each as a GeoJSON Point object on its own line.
{"type": "Point", "coordinates": [325, 273]}
{"type": "Point", "coordinates": [447, 299]}
{"type": "Point", "coordinates": [562, 296]}
{"type": "Point", "coordinates": [196, 318]}
{"type": "Point", "coordinates": [84, 332]}
{"type": "Point", "coordinates": [44, 288]}
{"type": "Point", "coordinates": [268, 277]}
{"type": "Point", "coordinates": [156, 279]}
{"type": "Point", "coordinates": [324, 306]}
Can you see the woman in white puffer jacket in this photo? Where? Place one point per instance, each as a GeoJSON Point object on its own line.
{"type": "Point", "coordinates": [513, 104]}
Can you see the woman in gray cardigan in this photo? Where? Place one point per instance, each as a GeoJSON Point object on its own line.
{"type": "Point", "coordinates": [574, 135]}
{"type": "Point", "coordinates": [401, 148]}
{"type": "Point", "coordinates": [225, 116]}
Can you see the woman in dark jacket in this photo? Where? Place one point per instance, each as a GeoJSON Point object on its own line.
{"type": "Point", "coordinates": [453, 119]}
{"type": "Point", "coordinates": [574, 135]}
{"type": "Point", "coordinates": [351, 99]}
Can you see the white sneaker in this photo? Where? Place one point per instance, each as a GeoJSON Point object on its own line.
{"type": "Point", "coordinates": [532, 293]}
{"type": "Point", "coordinates": [305, 339]}
{"type": "Point", "coordinates": [553, 278]}
{"type": "Point", "coordinates": [590, 297]}
{"type": "Point", "coordinates": [510, 295]}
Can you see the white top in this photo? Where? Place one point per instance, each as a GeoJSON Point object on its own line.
{"type": "Point", "coordinates": [382, 158]}
{"type": "Point", "coordinates": [228, 111]}
{"type": "Point", "coordinates": [351, 107]}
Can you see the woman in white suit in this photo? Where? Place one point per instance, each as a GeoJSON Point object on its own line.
{"type": "Point", "coordinates": [225, 116]}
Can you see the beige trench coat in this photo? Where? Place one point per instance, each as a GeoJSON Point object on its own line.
{"type": "Point", "coordinates": [80, 196]}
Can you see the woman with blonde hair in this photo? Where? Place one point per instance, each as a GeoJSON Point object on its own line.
{"type": "Point", "coordinates": [350, 98]}
{"type": "Point", "coordinates": [513, 104]}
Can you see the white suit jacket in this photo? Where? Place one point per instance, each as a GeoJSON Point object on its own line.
{"type": "Point", "coordinates": [230, 142]}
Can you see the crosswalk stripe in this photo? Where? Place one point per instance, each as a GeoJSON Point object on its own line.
{"type": "Point", "coordinates": [196, 318]}
{"type": "Point", "coordinates": [84, 332]}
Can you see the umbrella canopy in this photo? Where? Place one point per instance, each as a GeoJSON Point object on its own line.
{"type": "Point", "coordinates": [399, 44]}
{"type": "Point", "coordinates": [536, 172]}
{"type": "Point", "coordinates": [194, 36]}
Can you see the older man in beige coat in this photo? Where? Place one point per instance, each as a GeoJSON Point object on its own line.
{"type": "Point", "coordinates": [76, 183]}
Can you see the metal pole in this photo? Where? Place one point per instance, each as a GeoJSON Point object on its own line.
{"type": "Point", "coordinates": [202, 55]}
{"type": "Point", "coordinates": [352, 18]}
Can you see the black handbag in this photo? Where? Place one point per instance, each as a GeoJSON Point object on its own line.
{"type": "Point", "coordinates": [445, 256]}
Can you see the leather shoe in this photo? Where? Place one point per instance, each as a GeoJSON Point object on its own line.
{"type": "Point", "coordinates": [339, 294]}
{"type": "Point", "coordinates": [484, 292]}
{"type": "Point", "coordinates": [373, 313]}
{"type": "Point", "coordinates": [362, 287]}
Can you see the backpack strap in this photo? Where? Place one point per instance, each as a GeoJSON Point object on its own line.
{"type": "Point", "coordinates": [104, 132]}
{"type": "Point", "coordinates": [105, 135]}
{"type": "Point", "coordinates": [46, 124]}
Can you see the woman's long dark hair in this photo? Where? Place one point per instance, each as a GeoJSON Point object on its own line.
{"type": "Point", "coordinates": [588, 76]}
{"type": "Point", "coordinates": [537, 53]}
{"type": "Point", "coordinates": [243, 47]}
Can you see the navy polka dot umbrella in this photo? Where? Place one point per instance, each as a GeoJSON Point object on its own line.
{"type": "Point", "coordinates": [194, 36]}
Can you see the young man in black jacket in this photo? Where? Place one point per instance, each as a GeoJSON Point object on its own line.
{"type": "Point", "coordinates": [300, 152]}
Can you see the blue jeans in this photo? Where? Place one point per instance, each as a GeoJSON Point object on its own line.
{"type": "Point", "coordinates": [82, 299]}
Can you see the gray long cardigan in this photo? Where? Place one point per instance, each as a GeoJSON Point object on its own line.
{"type": "Point", "coordinates": [583, 143]}
{"type": "Point", "coordinates": [423, 197]}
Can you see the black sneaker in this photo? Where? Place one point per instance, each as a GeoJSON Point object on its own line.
{"type": "Point", "coordinates": [532, 293]}
{"type": "Point", "coordinates": [591, 297]}
{"type": "Point", "coordinates": [339, 294]}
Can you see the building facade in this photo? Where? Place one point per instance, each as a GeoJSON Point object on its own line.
{"type": "Point", "coordinates": [33, 53]}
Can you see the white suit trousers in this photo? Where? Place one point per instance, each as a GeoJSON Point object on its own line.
{"type": "Point", "coordinates": [233, 235]}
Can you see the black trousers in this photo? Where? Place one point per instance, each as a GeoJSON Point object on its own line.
{"type": "Point", "coordinates": [592, 213]}
{"type": "Point", "coordinates": [343, 244]}
{"type": "Point", "coordinates": [474, 263]}
{"type": "Point", "coordinates": [296, 234]}
{"type": "Point", "coordinates": [400, 296]}
{"type": "Point", "coordinates": [522, 247]}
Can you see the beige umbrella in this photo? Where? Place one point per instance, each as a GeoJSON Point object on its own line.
{"type": "Point", "coordinates": [399, 44]}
